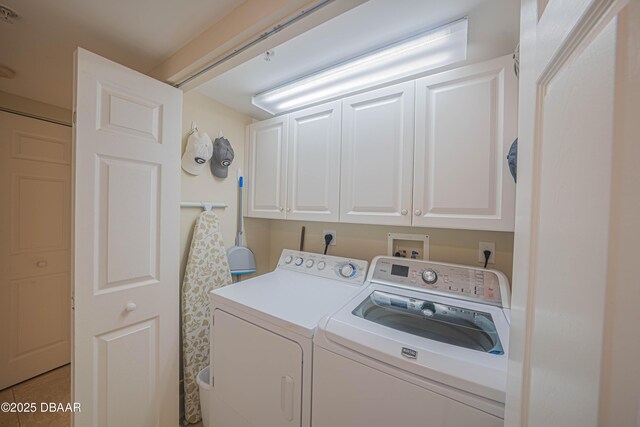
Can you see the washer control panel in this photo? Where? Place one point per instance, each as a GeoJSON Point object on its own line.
{"type": "Point", "coordinates": [332, 267]}
{"type": "Point", "coordinates": [470, 283]}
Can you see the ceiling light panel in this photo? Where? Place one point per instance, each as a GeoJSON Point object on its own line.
{"type": "Point", "coordinates": [426, 51]}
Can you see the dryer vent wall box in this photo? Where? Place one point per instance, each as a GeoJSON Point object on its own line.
{"type": "Point", "coordinates": [262, 333]}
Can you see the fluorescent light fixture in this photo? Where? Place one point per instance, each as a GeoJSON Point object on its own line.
{"type": "Point", "coordinates": [425, 51]}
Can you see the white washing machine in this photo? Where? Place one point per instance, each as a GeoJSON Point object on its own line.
{"type": "Point", "coordinates": [261, 339]}
{"type": "Point", "coordinates": [423, 343]}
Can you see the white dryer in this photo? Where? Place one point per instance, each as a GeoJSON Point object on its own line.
{"type": "Point", "coordinates": [261, 338]}
{"type": "Point", "coordinates": [424, 343]}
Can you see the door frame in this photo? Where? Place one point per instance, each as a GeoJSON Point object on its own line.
{"type": "Point", "coordinates": [574, 21]}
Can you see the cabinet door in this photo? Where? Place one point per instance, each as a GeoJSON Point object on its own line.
{"type": "Point", "coordinates": [314, 163]}
{"type": "Point", "coordinates": [257, 375]}
{"type": "Point", "coordinates": [266, 168]}
{"type": "Point", "coordinates": [377, 156]}
{"type": "Point", "coordinates": [466, 120]}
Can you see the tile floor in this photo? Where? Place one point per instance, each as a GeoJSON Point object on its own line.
{"type": "Point", "coordinates": [52, 386]}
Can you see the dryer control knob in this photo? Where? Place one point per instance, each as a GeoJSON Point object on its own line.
{"type": "Point", "coordinates": [429, 276]}
{"type": "Point", "coordinates": [309, 263]}
{"type": "Point", "coordinates": [299, 261]}
{"type": "Point", "coordinates": [288, 259]}
{"type": "Point", "coordinates": [347, 270]}
{"type": "Point", "coordinates": [321, 265]}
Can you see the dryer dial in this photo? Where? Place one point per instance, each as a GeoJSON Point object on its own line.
{"type": "Point", "coordinates": [347, 270]}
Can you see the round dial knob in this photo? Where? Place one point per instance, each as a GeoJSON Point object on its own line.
{"type": "Point", "coordinates": [428, 312]}
{"type": "Point", "coordinates": [309, 263]}
{"type": "Point", "coordinates": [347, 270]}
{"type": "Point", "coordinates": [429, 276]}
{"type": "Point", "coordinates": [299, 261]}
{"type": "Point", "coordinates": [288, 259]}
{"type": "Point", "coordinates": [321, 265]}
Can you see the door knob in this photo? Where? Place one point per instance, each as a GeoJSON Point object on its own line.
{"type": "Point", "coordinates": [42, 264]}
{"type": "Point", "coordinates": [417, 212]}
{"type": "Point", "coordinates": [131, 306]}
{"type": "Point", "coordinates": [404, 212]}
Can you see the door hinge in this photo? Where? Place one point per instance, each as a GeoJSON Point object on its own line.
{"type": "Point", "coordinates": [213, 382]}
{"type": "Point", "coordinates": [73, 303]}
{"type": "Point", "coordinates": [74, 117]}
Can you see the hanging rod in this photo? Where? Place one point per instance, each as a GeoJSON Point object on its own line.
{"type": "Point", "coordinates": [204, 205]}
{"type": "Point", "coordinates": [35, 116]}
{"type": "Point", "coordinates": [253, 42]}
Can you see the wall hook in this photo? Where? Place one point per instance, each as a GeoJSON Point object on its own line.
{"type": "Point", "coordinates": [220, 135]}
{"type": "Point", "coordinates": [194, 127]}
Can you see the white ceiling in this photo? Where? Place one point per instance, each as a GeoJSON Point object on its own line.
{"type": "Point", "coordinates": [140, 34]}
{"type": "Point", "coordinates": [493, 31]}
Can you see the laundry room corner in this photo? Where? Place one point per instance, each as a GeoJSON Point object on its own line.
{"type": "Point", "coordinates": [212, 117]}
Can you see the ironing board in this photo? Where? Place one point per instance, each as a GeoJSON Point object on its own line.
{"type": "Point", "coordinates": [207, 269]}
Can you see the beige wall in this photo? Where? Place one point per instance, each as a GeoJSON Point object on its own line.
{"type": "Point", "coordinates": [367, 241]}
{"type": "Point", "coordinates": [29, 106]}
{"type": "Point", "coordinates": [213, 117]}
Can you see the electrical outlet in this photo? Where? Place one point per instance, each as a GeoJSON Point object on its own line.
{"type": "Point", "coordinates": [487, 246]}
{"type": "Point", "coordinates": [333, 233]}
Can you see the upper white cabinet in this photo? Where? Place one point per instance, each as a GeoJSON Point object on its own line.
{"type": "Point", "coordinates": [377, 156]}
{"type": "Point", "coordinates": [466, 120]}
{"type": "Point", "coordinates": [313, 177]}
{"type": "Point", "coordinates": [429, 152]}
{"type": "Point", "coordinates": [267, 168]}
{"type": "Point", "coordinates": [293, 165]}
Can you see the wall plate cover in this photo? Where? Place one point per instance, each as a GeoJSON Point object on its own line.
{"type": "Point", "coordinates": [333, 233]}
{"type": "Point", "coordinates": [491, 246]}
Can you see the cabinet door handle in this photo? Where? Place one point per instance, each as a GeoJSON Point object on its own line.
{"type": "Point", "coordinates": [281, 208]}
{"type": "Point", "coordinates": [131, 306]}
{"type": "Point", "coordinates": [417, 212]}
{"type": "Point", "coordinates": [286, 396]}
{"type": "Point", "coordinates": [42, 264]}
{"type": "Point", "coordinates": [404, 212]}
{"type": "Point", "coordinates": [288, 209]}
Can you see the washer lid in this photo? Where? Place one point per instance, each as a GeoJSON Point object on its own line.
{"type": "Point", "coordinates": [388, 323]}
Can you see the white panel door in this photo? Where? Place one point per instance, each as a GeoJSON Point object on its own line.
{"type": "Point", "coordinates": [466, 120]}
{"type": "Point", "coordinates": [377, 156]}
{"type": "Point", "coordinates": [314, 163]}
{"type": "Point", "coordinates": [267, 168]}
{"type": "Point", "coordinates": [575, 344]}
{"type": "Point", "coordinates": [257, 374]}
{"type": "Point", "coordinates": [35, 221]}
{"type": "Point", "coordinates": [126, 284]}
